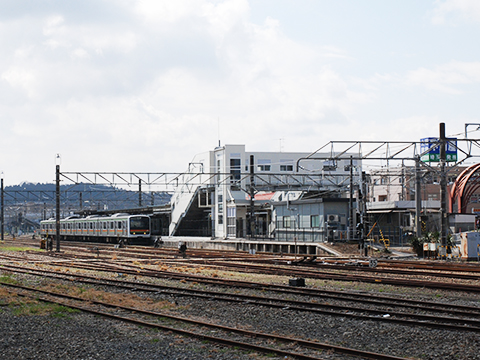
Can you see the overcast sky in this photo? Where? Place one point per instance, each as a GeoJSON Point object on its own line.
{"type": "Point", "coordinates": [143, 86]}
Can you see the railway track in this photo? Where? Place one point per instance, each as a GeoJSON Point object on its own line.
{"type": "Point", "coordinates": [301, 349]}
{"type": "Point", "coordinates": [410, 278]}
{"type": "Point", "coordinates": [381, 309]}
{"type": "Point", "coordinates": [162, 274]}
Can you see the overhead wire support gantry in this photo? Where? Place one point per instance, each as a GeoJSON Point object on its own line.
{"type": "Point", "coordinates": [389, 151]}
{"type": "Point", "coordinates": [299, 180]}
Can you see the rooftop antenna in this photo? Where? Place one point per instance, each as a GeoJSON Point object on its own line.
{"type": "Point", "coordinates": [218, 124]}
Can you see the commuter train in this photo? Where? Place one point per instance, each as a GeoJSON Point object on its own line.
{"type": "Point", "coordinates": [118, 228]}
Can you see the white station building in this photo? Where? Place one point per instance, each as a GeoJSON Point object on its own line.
{"type": "Point", "coordinates": [215, 198]}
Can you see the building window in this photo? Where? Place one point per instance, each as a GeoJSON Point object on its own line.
{"type": "Point", "coordinates": [287, 222]}
{"type": "Point", "coordinates": [314, 221]}
{"type": "Point", "coordinates": [264, 165]}
{"type": "Point", "coordinates": [286, 167]}
{"type": "Point", "coordinates": [329, 165]}
{"type": "Point", "coordinates": [235, 169]}
{"type": "Point", "coordinates": [220, 203]}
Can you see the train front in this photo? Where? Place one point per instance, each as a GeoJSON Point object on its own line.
{"type": "Point", "coordinates": [139, 229]}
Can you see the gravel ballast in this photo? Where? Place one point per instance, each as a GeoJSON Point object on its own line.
{"type": "Point", "coordinates": [85, 336]}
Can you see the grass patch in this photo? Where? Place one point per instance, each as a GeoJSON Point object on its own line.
{"type": "Point", "coordinates": [41, 308]}
{"type": "Point", "coordinates": [8, 279]}
{"type": "Point", "coordinates": [123, 299]}
{"type": "Point", "coordinates": [18, 248]}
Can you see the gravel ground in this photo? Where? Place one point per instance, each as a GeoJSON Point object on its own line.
{"type": "Point", "coordinates": [83, 336]}
{"type": "Point", "coordinates": [373, 336]}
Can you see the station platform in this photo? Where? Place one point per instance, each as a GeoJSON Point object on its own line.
{"type": "Point", "coordinates": [253, 246]}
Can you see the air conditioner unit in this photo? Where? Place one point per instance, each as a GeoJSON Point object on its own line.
{"type": "Point", "coordinates": [332, 218]}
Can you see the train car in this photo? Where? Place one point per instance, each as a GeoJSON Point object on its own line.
{"type": "Point", "coordinates": [118, 228]}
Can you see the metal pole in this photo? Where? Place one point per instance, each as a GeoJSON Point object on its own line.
{"type": "Point", "coordinates": [403, 182]}
{"type": "Point", "coordinates": [443, 185]}
{"type": "Point", "coordinates": [139, 193]}
{"type": "Point", "coordinates": [418, 199]}
{"type": "Point", "coordinates": [362, 196]}
{"type": "Point", "coordinates": [2, 212]}
{"type": "Point", "coordinates": [350, 203]}
{"type": "Point", "coordinates": [57, 198]}
{"type": "Point", "coordinates": [251, 223]}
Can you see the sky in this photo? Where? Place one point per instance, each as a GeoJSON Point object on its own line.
{"type": "Point", "coordinates": [143, 86]}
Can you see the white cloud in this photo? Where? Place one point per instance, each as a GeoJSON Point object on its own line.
{"type": "Point", "coordinates": [455, 10]}
{"type": "Point", "coordinates": [447, 77]}
{"type": "Point", "coordinates": [144, 85]}
{"type": "Point", "coordinates": [20, 78]}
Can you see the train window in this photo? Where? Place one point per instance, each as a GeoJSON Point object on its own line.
{"type": "Point", "coordinates": [119, 225]}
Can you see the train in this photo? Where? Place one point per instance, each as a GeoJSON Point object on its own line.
{"type": "Point", "coordinates": [119, 228]}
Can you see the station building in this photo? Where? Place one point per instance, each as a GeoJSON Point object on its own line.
{"type": "Point", "coordinates": [229, 193]}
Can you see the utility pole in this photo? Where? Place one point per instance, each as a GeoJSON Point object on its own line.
{"type": "Point", "coordinates": [57, 203]}
{"type": "Point", "coordinates": [350, 203]}
{"type": "Point", "coordinates": [362, 196]}
{"type": "Point", "coordinates": [251, 223]}
{"type": "Point", "coordinates": [443, 185]}
{"type": "Point", "coordinates": [418, 198]}
{"type": "Point", "coordinates": [139, 192]}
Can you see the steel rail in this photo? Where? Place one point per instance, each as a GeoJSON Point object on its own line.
{"type": "Point", "coordinates": [425, 320]}
{"type": "Point", "coordinates": [350, 277]}
{"type": "Point", "coordinates": [253, 334]}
